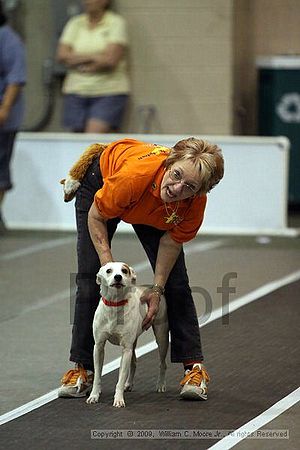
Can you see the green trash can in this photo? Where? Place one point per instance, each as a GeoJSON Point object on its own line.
{"type": "Point", "coordinates": [279, 109]}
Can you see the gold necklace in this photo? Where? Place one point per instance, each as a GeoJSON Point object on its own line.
{"type": "Point", "coordinates": [172, 216]}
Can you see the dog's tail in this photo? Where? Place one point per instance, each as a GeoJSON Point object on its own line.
{"type": "Point", "coordinates": [78, 170]}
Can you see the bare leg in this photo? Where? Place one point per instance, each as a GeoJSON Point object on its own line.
{"type": "Point", "coordinates": [97, 126]}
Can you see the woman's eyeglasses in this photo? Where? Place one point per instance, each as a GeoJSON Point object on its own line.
{"type": "Point", "coordinates": [176, 176]}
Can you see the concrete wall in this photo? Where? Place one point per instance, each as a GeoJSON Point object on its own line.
{"type": "Point", "coordinates": [181, 62]}
{"type": "Point", "coordinates": [194, 60]}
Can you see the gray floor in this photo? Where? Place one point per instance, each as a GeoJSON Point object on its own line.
{"type": "Point", "coordinates": [244, 386]}
{"type": "Point", "coordinates": [37, 270]}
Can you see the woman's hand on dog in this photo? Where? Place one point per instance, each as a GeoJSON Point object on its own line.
{"type": "Point", "coordinates": [152, 298]}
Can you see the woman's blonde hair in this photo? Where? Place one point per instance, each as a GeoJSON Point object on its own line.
{"type": "Point", "coordinates": [208, 157]}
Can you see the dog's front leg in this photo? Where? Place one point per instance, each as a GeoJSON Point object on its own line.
{"type": "Point", "coordinates": [98, 364]}
{"type": "Point", "coordinates": [123, 375]}
{"type": "Point", "coordinates": [129, 381]}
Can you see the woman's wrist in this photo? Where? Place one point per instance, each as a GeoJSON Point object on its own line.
{"type": "Point", "coordinates": [157, 288]}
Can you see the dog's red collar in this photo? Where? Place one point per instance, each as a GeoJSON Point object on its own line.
{"type": "Point", "coordinates": [109, 303]}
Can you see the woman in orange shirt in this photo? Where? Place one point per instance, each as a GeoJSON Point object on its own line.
{"type": "Point", "coordinates": [162, 193]}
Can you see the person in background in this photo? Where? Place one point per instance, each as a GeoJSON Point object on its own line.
{"type": "Point", "coordinates": [93, 47]}
{"type": "Point", "coordinates": [162, 192]}
{"type": "Point", "coordinates": [12, 80]}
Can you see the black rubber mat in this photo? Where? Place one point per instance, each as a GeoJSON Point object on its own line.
{"type": "Point", "coordinates": [253, 362]}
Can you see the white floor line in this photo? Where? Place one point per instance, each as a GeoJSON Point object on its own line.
{"type": "Point", "coordinates": [36, 248]}
{"type": "Point", "coordinates": [63, 241]}
{"type": "Point", "coordinates": [188, 250]}
{"type": "Point", "coordinates": [258, 422]}
{"type": "Point", "coordinates": [139, 267]}
{"type": "Point", "coordinates": [218, 313]}
{"type": "Point", "coordinates": [250, 297]}
{"type": "Point", "coordinates": [59, 297]}
{"type": "Point", "coordinates": [109, 367]}
{"type": "Point", "coordinates": [28, 407]}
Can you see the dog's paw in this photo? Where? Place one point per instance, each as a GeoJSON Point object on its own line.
{"type": "Point", "coordinates": [93, 399]}
{"type": "Point", "coordinates": [161, 387]}
{"type": "Point", "coordinates": [128, 387]}
{"type": "Point", "coordinates": [119, 402]}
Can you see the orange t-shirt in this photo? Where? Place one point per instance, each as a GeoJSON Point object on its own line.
{"type": "Point", "coordinates": [132, 173]}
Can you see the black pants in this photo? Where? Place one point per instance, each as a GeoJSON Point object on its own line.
{"type": "Point", "coordinates": [184, 328]}
{"type": "Point", "coordinates": [7, 139]}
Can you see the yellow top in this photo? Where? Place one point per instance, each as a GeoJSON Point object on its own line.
{"type": "Point", "coordinates": [77, 34]}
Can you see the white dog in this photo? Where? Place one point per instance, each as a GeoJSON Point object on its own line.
{"type": "Point", "coordinates": [118, 319]}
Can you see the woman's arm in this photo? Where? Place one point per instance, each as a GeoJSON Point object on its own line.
{"type": "Point", "coordinates": [168, 253]}
{"type": "Point", "coordinates": [98, 232]}
{"type": "Point", "coordinates": [104, 61]}
{"type": "Point", "coordinates": [66, 55]}
{"type": "Point", "coordinates": [11, 93]}
{"type": "Point", "coordinates": [90, 62]}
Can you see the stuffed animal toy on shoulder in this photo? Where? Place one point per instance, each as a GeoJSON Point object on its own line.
{"type": "Point", "coordinates": [78, 170]}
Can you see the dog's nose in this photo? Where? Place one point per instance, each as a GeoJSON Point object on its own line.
{"type": "Point", "coordinates": [118, 278]}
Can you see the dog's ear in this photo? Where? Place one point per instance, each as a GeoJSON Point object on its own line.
{"type": "Point", "coordinates": [133, 276]}
{"type": "Point", "coordinates": [101, 274]}
{"type": "Point", "coordinates": [98, 277]}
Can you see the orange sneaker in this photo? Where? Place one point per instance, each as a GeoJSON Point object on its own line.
{"type": "Point", "coordinates": [194, 384]}
{"type": "Point", "coordinates": [76, 382]}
